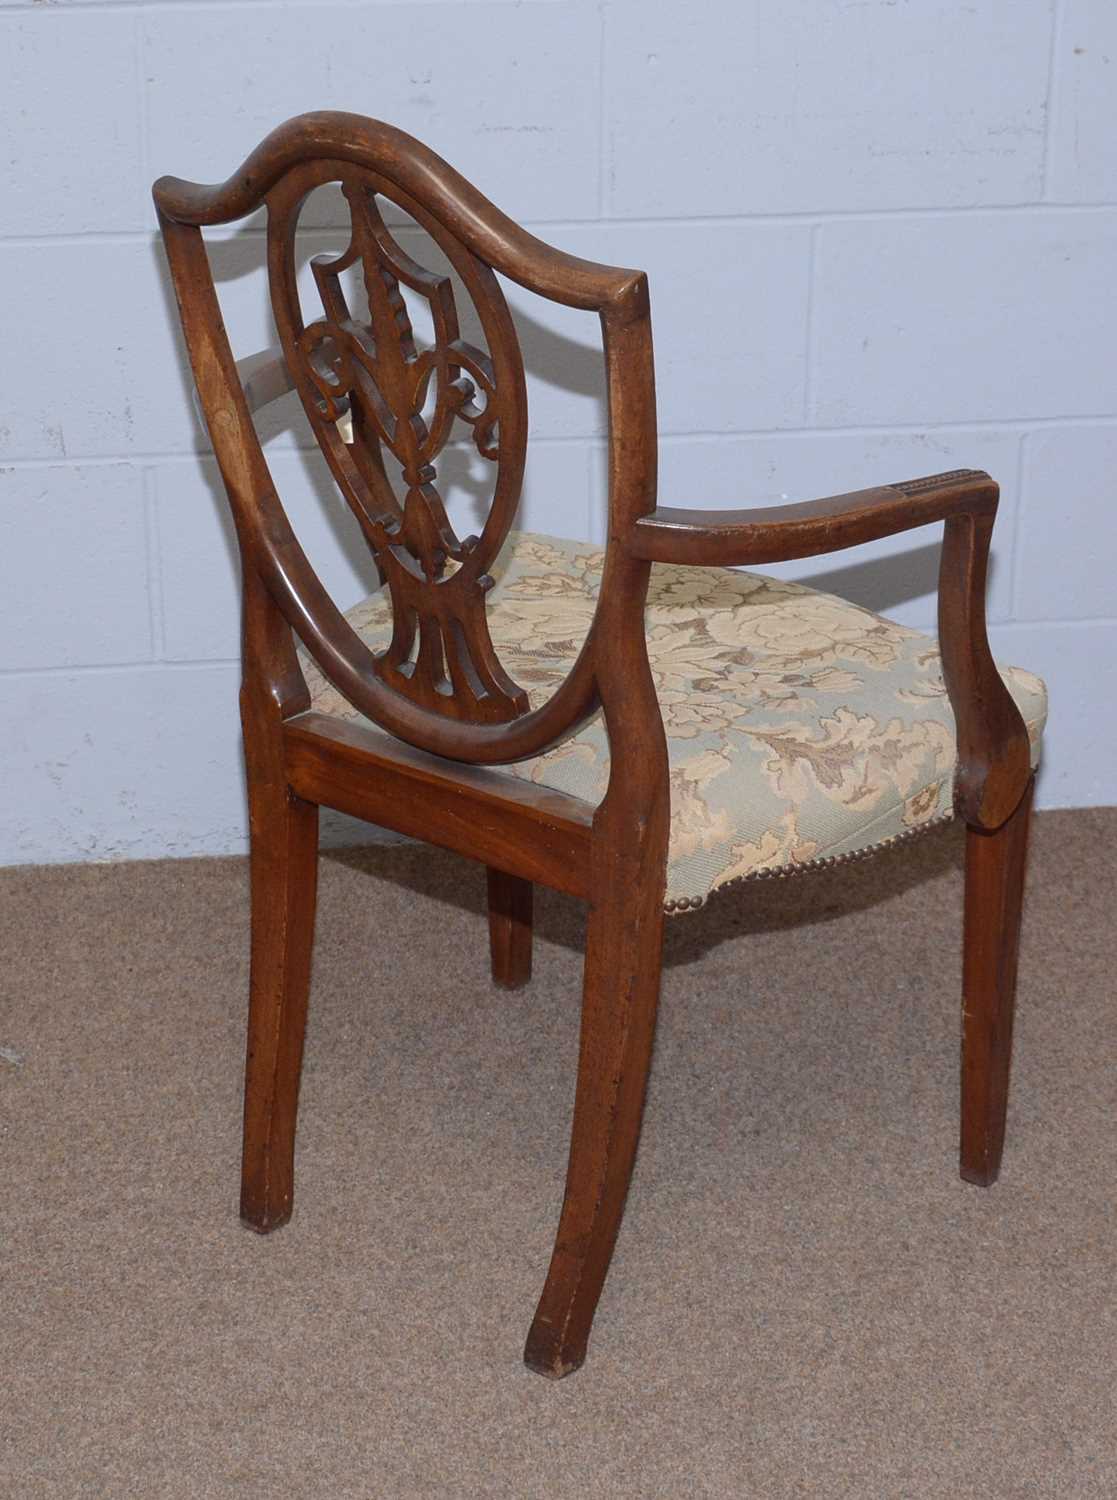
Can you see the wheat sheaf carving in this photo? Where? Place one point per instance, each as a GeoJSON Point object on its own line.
{"type": "Point", "coordinates": [403, 402]}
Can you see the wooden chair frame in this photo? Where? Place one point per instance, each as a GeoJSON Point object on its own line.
{"type": "Point", "coordinates": [434, 778]}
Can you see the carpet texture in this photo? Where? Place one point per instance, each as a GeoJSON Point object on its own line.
{"type": "Point", "coordinates": [805, 1300]}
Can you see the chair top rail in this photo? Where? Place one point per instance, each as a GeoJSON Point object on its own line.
{"type": "Point", "coordinates": [420, 173]}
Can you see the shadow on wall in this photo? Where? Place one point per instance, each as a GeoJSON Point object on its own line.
{"type": "Point", "coordinates": [883, 583]}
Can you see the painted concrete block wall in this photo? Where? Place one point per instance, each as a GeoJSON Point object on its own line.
{"type": "Point", "coordinates": [881, 237]}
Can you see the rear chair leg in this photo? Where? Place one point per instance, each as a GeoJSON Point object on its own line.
{"type": "Point", "coordinates": [284, 874]}
{"type": "Point", "coordinates": [510, 903]}
{"type": "Point", "coordinates": [621, 993]}
{"type": "Point", "coordinates": [995, 864]}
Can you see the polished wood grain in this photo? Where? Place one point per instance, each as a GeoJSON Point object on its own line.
{"type": "Point", "coordinates": [994, 757]}
{"type": "Point", "coordinates": [530, 831]}
{"type": "Point", "coordinates": [778, 533]}
{"type": "Point", "coordinates": [442, 713]}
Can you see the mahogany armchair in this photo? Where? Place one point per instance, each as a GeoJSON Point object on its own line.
{"type": "Point", "coordinates": [765, 728]}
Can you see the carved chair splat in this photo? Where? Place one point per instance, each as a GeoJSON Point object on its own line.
{"type": "Point", "coordinates": [440, 713]}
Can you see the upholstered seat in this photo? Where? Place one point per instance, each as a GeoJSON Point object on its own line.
{"type": "Point", "coordinates": [800, 727]}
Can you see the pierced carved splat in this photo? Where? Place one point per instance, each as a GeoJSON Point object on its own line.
{"type": "Point", "coordinates": [404, 402]}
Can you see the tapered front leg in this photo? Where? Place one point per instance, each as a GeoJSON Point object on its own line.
{"type": "Point", "coordinates": [621, 993]}
{"type": "Point", "coordinates": [284, 874]}
{"type": "Point", "coordinates": [995, 864]}
{"type": "Point", "coordinates": [510, 915]}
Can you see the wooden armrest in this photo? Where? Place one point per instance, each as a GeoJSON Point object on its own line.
{"type": "Point", "coordinates": [779, 533]}
{"type": "Point", "coordinates": [994, 764]}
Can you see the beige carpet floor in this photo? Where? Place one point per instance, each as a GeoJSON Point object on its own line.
{"type": "Point", "coordinates": [806, 1300]}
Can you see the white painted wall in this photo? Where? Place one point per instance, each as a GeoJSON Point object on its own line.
{"type": "Point", "coordinates": [904, 212]}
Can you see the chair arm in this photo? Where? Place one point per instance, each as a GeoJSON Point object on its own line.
{"type": "Point", "coordinates": [779, 533]}
{"type": "Point", "coordinates": [994, 757]}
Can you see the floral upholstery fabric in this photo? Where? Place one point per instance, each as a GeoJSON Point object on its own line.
{"type": "Point", "coordinates": [799, 726]}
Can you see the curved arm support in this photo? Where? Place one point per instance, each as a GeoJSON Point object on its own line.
{"type": "Point", "coordinates": [994, 762]}
{"type": "Point", "coordinates": [994, 758]}
{"type": "Point", "coordinates": [419, 172]}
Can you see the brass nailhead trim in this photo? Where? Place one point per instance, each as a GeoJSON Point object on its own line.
{"type": "Point", "coordinates": [807, 866]}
